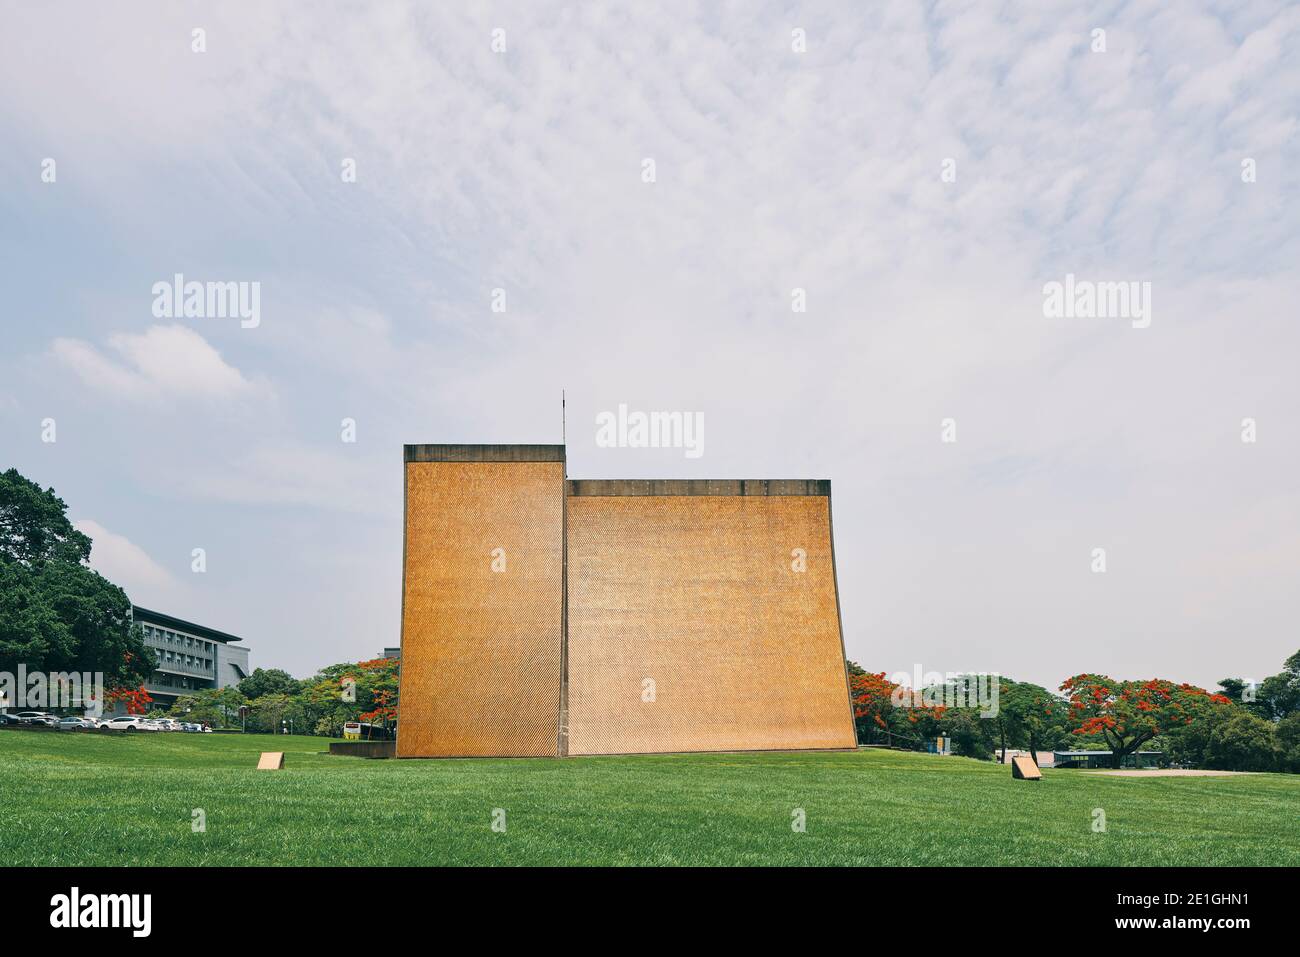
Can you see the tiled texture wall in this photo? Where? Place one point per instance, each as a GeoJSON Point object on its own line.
{"type": "Point", "coordinates": [481, 648]}
{"type": "Point", "coordinates": [698, 594]}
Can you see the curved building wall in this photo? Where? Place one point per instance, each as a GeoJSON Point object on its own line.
{"type": "Point", "coordinates": [697, 593]}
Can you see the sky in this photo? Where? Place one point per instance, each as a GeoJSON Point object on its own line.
{"type": "Point", "coordinates": [630, 203]}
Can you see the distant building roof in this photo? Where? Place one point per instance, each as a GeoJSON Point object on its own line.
{"type": "Point", "coordinates": [1043, 757]}
{"type": "Point", "coordinates": [1084, 754]}
{"type": "Point", "coordinates": [180, 624]}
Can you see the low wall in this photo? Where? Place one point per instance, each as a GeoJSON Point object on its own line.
{"type": "Point", "coordinates": [364, 749]}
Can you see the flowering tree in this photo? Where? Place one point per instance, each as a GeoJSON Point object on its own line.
{"type": "Point", "coordinates": [1128, 714]}
{"type": "Point", "coordinates": [137, 699]}
{"type": "Point", "coordinates": [385, 710]}
{"type": "Point", "coordinates": [872, 698]}
{"type": "Point", "coordinates": [352, 691]}
{"type": "Point", "coordinates": [894, 709]}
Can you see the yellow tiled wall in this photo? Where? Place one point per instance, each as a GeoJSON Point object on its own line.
{"type": "Point", "coordinates": [698, 594]}
{"type": "Point", "coordinates": [481, 648]}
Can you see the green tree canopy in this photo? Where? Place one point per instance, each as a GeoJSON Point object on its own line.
{"type": "Point", "coordinates": [265, 681]}
{"type": "Point", "coordinates": [56, 613]}
{"type": "Point", "coordinates": [1287, 738]}
{"type": "Point", "coordinates": [1032, 716]}
{"type": "Point", "coordinates": [1273, 698]}
{"type": "Point", "coordinates": [34, 526]}
{"type": "Point", "coordinates": [1244, 742]}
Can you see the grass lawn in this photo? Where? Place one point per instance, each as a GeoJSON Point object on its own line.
{"type": "Point", "coordinates": [74, 799]}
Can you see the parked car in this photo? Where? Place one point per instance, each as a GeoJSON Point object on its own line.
{"type": "Point", "coordinates": [125, 722]}
{"type": "Point", "coordinates": [7, 718]}
{"type": "Point", "coordinates": [36, 717]}
{"type": "Point", "coordinates": [76, 723]}
{"type": "Point", "coordinates": [191, 727]}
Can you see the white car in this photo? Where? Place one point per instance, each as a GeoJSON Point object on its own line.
{"type": "Point", "coordinates": [75, 723]}
{"type": "Point", "coordinates": [36, 717]}
{"type": "Point", "coordinates": [167, 724]}
{"type": "Point", "coordinates": [126, 722]}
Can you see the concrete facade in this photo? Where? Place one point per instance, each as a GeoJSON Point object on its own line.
{"type": "Point", "coordinates": [191, 657]}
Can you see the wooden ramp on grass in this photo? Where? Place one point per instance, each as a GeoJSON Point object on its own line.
{"type": "Point", "coordinates": [1024, 768]}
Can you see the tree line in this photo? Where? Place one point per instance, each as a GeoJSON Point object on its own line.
{"type": "Point", "coordinates": [1238, 727]}
{"type": "Point", "coordinates": [271, 700]}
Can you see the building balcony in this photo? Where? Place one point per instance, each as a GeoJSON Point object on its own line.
{"type": "Point", "coordinates": [186, 671]}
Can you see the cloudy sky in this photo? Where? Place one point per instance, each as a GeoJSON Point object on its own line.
{"type": "Point", "coordinates": [919, 170]}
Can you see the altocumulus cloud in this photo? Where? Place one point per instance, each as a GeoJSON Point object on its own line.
{"type": "Point", "coordinates": [776, 170]}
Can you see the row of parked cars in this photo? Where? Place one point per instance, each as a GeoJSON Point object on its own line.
{"type": "Point", "coordinates": [126, 722]}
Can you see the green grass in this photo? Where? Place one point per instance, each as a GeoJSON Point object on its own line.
{"type": "Point", "coordinates": [87, 799]}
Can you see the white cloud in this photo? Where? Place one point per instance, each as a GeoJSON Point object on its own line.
{"type": "Point", "coordinates": [123, 562]}
{"type": "Point", "coordinates": [165, 361]}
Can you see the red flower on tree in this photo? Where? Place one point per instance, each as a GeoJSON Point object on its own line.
{"type": "Point", "coordinates": [137, 699]}
{"type": "Point", "coordinates": [1130, 713]}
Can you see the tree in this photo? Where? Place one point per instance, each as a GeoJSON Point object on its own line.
{"type": "Point", "coordinates": [270, 711]}
{"type": "Point", "coordinates": [1235, 689]}
{"type": "Point", "coordinates": [203, 706]}
{"type": "Point", "coordinates": [872, 696]}
{"type": "Point", "coordinates": [1188, 745]}
{"type": "Point", "coordinates": [360, 691]}
{"type": "Point", "coordinates": [56, 613]}
{"type": "Point", "coordinates": [229, 700]}
{"type": "Point", "coordinates": [34, 526]}
{"type": "Point", "coordinates": [1128, 714]}
{"type": "Point", "coordinates": [1279, 695]}
{"type": "Point", "coordinates": [1244, 742]}
{"type": "Point", "coordinates": [952, 708]}
{"type": "Point", "coordinates": [264, 681]}
{"type": "Point", "coordinates": [136, 700]}
{"type": "Point", "coordinates": [1286, 735]}
{"type": "Point", "coordinates": [971, 735]}
{"type": "Point", "coordinates": [900, 716]}
{"type": "Point", "coordinates": [1273, 698]}
{"type": "Point", "coordinates": [1031, 716]}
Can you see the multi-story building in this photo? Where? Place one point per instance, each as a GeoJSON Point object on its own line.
{"type": "Point", "coordinates": [190, 657]}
